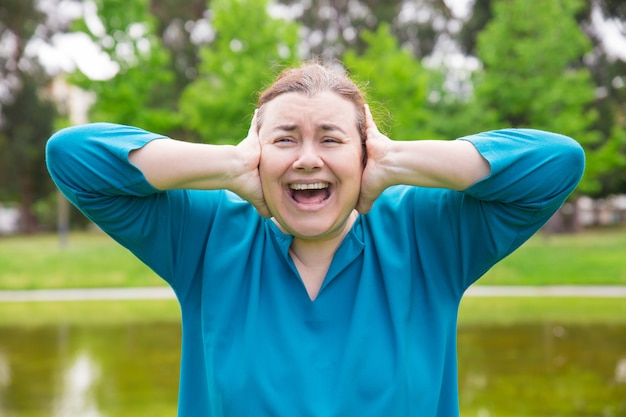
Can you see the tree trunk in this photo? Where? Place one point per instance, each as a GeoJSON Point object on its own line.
{"type": "Point", "coordinates": [28, 220]}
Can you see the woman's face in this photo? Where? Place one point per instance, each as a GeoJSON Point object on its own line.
{"type": "Point", "coordinates": [310, 163]}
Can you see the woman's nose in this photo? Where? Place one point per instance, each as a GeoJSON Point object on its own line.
{"type": "Point", "coordinates": [308, 158]}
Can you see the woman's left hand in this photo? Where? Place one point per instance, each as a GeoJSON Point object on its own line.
{"type": "Point", "coordinates": [375, 178]}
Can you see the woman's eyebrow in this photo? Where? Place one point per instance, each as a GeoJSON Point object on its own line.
{"type": "Point", "coordinates": [286, 127]}
{"type": "Point", "coordinates": [325, 126]}
{"type": "Point", "coordinates": [329, 127]}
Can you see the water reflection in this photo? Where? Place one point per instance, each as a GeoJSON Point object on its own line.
{"type": "Point", "coordinates": [5, 379]}
{"type": "Point", "coordinates": [89, 371]}
{"type": "Point", "coordinates": [103, 371]}
{"type": "Point", "coordinates": [77, 397]}
{"type": "Point", "coordinates": [620, 371]}
{"type": "Point", "coordinates": [542, 370]}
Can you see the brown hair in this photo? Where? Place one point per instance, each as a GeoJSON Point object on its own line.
{"type": "Point", "coordinates": [311, 78]}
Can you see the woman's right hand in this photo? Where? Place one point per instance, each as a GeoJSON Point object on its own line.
{"type": "Point", "coordinates": [248, 183]}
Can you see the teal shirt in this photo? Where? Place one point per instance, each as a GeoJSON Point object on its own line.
{"type": "Point", "coordinates": [380, 338]}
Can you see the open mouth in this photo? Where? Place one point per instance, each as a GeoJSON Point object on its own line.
{"type": "Point", "coordinates": [314, 193]}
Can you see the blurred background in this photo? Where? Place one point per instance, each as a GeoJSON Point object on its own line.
{"type": "Point", "coordinates": [191, 69]}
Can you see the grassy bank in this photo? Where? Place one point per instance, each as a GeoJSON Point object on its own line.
{"type": "Point", "coordinates": [591, 257]}
{"type": "Point", "coordinates": [518, 310]}
{"type": "Point", "coordinates": [88, 312]}
{"type": "Point", "coordinates": [474, 311]}
{"type": "Point", "coordinates": [93, 260]}
{"type": "Point", "coordinates": [88, 260]}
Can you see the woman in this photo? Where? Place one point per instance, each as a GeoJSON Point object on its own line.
{"type": "Point", "coordinates": [319, 265]}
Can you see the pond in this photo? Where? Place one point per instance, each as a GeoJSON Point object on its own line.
{"type": "Point", "coordinates": [534, 370]}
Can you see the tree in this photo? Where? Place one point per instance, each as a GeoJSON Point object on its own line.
{"type": "Point", "coordinates": [250, 47]}
{"type": "Point", "coordinates": [26, 118]}
{"type": "Point", "coordinates": [395, 80]}
{"type": "Point", "coordinates": [332, 27]}
{"type": "Point", "coordinates": [607, 75]}
{"type": "Point", "coordinates": [29, 122]}
{"type": "Point", "coordinates": [171, 83]}
{"type": "Point", "coordinates": [533, 76]}
{"type": "Point", "coordinates": [608, 68]}
{"type": "Point", "coordinates": [177, 25]}
{"type": "Point", "coordinates": [480, 16]}
{"type": "Point", "coordinates": [143, 92]}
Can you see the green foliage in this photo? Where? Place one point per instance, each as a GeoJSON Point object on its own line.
{"type": "Point", "coordinates": [249, 49]}
{"type": "Point", "coordinates": [23, 175]}
{"type": "Point", "coordinates": [25, 114]}
{"type": "Point", "coordinates": [138, 96]}
{"type": "Point", "coordinates": [395, 80]}
{"type": "Point", "coordinates": [455, 116]}
{"type": "Point", "coordinates": [533, 76]}
{"type": "Point", "coordinates": [530, 51]}
{"type": "Point", "coordinates": [608, 158]}
{"type": "Point", "coordinates": [533, 73]}
{"type": "Point", "coordinates": [28, 124]}
{"type": "Point", "coordinates": [142, 92]}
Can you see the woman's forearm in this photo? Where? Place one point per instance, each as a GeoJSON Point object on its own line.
{"type": "Point", "coordinates": [453, 164]}
{"type": "Point", "coordinates": [170, 164]}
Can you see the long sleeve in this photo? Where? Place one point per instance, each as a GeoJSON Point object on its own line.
{"type": "Point", "coordinates": [532, 168]}
{"type": "Point", "coordinates": [93, 158]}
{"type": "Point", "coordinates": [451, 238]}
{"type": "Point", "coordinates": [532, 174]}
{"type": "Point", "coordinates": [166, 230]}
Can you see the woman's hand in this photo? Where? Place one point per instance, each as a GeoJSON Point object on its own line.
{"type": "Point", "coordinates": [374, 179]}
{"type": "Point", "coordinates": [248, 183]}
{"type": "Point", "coordinates": [454, 164]}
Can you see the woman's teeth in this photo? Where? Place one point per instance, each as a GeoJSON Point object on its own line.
{"type": "Point", "coordinates": [314, 186]}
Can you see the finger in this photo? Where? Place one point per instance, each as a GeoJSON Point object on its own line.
{"type": "Point", "coordinates": [369, 119]}
{"type": "Point", "coordinates": [252, 131]}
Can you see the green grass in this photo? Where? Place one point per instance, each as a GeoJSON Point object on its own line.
{"type": "Point", "coordinates": [593, 257]}
{"type": "Point", "coordinates": [474, 311]}
{"type": "Point", "coordinates": [522, 310]}
{"type": "Point", "coordinates": [88, 312]}
{"type": "Point", "coordinates": [88, 260]}
{"type": "Point", "coordinates": [94, 260]}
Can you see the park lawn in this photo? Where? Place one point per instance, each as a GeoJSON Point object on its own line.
{"type": "Point", "coordinates": [92, 259]}
{"type": "Point", "coordinates": [88, 260]}
{"type": "Point", "coordinates": [593, 257]}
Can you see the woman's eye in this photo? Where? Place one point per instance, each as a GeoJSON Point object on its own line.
{"type": "Point", "coordinates": [283, 140]}
{"type": "Point", "coordinates": [331, 140]}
